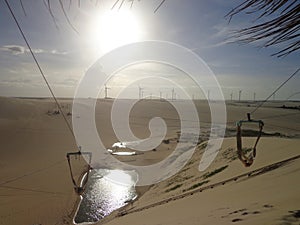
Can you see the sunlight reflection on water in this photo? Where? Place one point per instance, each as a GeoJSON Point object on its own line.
{"type": "Point", "coordinates": [106, 191]}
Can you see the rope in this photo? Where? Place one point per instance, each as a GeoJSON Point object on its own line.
{"type": "Point", "coordinates": [34, 190]}
{"type": "Point", "coordinates": [277, 89]}
{"type": "Point", "coordinates": [32, 173]}
{"type": "Point", "coordinates": [39, 68]}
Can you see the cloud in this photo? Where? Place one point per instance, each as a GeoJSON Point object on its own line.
{"type": "Point", "coordinates": [14, 49]}
{"type": "Point", "coordinates": [20, 79]}
{"type": "Point", "coordinates": [56, 52]}
{"type": "Point", "coordinates": [18, 49]}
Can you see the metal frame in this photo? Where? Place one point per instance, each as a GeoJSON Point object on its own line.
{"type": "Point", "coordinates": [247, 160]}
{"type": "Point", "coordinates": [80, 188]}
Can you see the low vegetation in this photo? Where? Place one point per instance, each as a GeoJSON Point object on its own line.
{"type": "Point", "coordinates": [216, 171]}
{"type": "Point", "coordinates": [173, 188]}
{"type": "Point", "coordinates": [196, 185]}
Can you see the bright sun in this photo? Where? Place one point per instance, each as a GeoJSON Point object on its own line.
{"type": "Point", "coordinates": [112, 29]}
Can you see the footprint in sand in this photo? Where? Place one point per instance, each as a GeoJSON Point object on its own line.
{"type": "Point", "coordinates": [237, 211]}
{"type": "Point", "coordinates": [295, 213]}
{"type": "Point", "coordinates": [245, 212]}
{"type": "Point", "coordinates": [236, 220]}
{"type": "Point", "coordinates": [293, 218]}
{"type": "Point", "coordinates": [268, 206]}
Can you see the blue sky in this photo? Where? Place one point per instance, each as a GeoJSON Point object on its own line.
{"type": "Point", "coordinates": [198, 25]}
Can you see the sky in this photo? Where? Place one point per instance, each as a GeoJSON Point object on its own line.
{"type": "Point", "coordinates": [66, 51]}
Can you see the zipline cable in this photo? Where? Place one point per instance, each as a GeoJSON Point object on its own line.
{"type": "Point", "coordinates": [78, 188]}
{"type": "Point", "coordinates": [39, 68]}
{"type": "Point", "coordinates": [161, 3]}
{"type": "Point", "coordinates": [277, 89]}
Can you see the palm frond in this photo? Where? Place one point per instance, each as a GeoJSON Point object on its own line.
{"type": "Point", "coordinates": [283, 28]}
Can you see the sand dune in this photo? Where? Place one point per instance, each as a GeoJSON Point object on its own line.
{"type": "Point", "coordinates": [268, 198]}
{"type": "Point", "coordinates": [35, 186]}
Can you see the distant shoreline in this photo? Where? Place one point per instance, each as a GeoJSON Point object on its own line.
{"type": "Point", "coordinates": [157, 99]}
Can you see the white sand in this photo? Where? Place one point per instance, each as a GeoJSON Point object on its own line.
{"type": "Point", "coordinates": [35, 186]}
{"type": "Point", "coordinates": [263, 199]}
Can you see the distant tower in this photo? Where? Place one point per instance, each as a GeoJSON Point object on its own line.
{"type": "Point", "coordinates": [254, 96]}
{"type": "Point", "coordinates": [231, 96]}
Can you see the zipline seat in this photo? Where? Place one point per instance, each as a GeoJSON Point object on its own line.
{"type": "Point", "coordinates": [247, 160]}
{"type": "Point", "coordinates": [79, 188]}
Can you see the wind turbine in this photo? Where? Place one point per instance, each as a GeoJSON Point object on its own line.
{"type": "Point", "coordinates": [173, 91]}
{"type": "Point", "coordinates": [140, 92]}
{"type": "Point", "coordinates": [106, 91]}
{"type": "Point", "coordinates": [240, 94]}
{"type": "Point", "coordinates": [160, 95]}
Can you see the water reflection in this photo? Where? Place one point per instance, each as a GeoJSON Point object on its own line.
{"type": "Point", "coordinates": [116, 147]}
{"type": "Point", "coordinates": [107, 190]}
{"type": "Point", "coordinates": [123, 153]}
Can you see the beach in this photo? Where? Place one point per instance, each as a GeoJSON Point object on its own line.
{"type": "Point", "coordinates": [36, 188]}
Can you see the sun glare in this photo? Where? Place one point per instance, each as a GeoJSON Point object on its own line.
{"type": "Point", "coordinates": [112, 29]}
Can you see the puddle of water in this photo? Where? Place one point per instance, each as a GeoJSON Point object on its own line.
{"type": "Point", "coordinates": [126, 144]}
{"type": "Point", "coordinates": [119, 145]}
{"type": "Point", "coordinates": [123, 153]}
{"type": "Point", "coordinates": [107, 190]}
